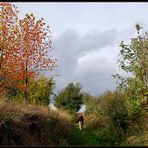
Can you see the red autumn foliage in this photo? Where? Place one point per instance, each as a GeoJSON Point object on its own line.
{"type": "Point", "coordinates": [25, 47]}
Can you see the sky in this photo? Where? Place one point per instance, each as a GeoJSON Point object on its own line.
{"type": "Point", "coordinates": [86, 38]}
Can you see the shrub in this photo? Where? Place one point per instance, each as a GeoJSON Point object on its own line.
{"type": "Point", "coordinates": [115, 109]}
{"type": "Point", "coordinates": [108, 136]}
{"type": "Point", "coordinates": [94, 122]}
{"type": "Point", "coordinates": [70, 98]}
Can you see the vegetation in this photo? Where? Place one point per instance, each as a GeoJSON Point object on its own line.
{"type": "Point", "coordinates": [40, 91]}
{"type": "Point", "coordinates": [70, 98]}
{"type": "Point", "coordinates": [115, 118]}
{"type": "Point", "coordinates": [24, 50]}
{"type": "Point", "coordinates": [133, 59]}
{"type": "Point", "coordinates": [32, 125]}
{"type": "Point", "coordinates": [91, 103]}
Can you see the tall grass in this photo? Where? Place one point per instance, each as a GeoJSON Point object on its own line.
{"type": "Point", "coordinates": [31, 125]}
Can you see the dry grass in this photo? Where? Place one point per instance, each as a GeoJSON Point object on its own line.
{"type": "Point", "coordinates": [139, 140]}
{"type": "Point", "coordinates": [30, 125]}
{"type": "Point", "coordinates": [19, 109]}
{"type": "Point", "coordinates": [95, 122]}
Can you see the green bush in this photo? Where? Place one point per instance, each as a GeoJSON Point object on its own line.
{"type": "Point", "coordinates": [70, 98]}
{"type": "Point", "coordinates": [115, 109]}
{"type": "Point", "coordinates": [108, 136]}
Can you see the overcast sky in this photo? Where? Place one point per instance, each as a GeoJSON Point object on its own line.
{"type": "Point", "coordinates": [86, 38]}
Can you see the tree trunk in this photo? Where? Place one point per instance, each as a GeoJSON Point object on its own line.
{"type": "Point", "coordinates": [26, 82]}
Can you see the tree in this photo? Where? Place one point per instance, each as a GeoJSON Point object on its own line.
{"type": "Point", "coordinates": [31, 55]}
{"type": "Point", "coordinates": [70, 98]}
{"type": "Point", "coordinates": [133, 59]}
{"type": "Point", "coordinates": [34, 52]}
{"type": "Point", "coordinates": [41, 90]}
{"type": "Point", "coordinates": [9, 41]}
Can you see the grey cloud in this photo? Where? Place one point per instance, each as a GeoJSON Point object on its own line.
{"type": "Point", "coordinates": [97, 75]}
{"type": "Point", "coordinates": [95, 40]}
{"type": "Point", "coordinates": [70, 46]}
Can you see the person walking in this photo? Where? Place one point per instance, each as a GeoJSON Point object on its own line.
{"type": "Point", "coordinates": [81, 122]}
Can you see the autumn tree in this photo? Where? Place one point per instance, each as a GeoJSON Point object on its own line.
{"type": "Point", "coordinates": [9, 40]}
{"type": "Point", "coordinates": [34, 55]}
{"type": "Point", "coordinates": [31, 55]}
{"type": "Point", "coordinates": [70, 98]}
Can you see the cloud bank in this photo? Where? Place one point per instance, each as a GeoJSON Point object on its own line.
{"type": "Point", "coordinates": [86, 59]}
